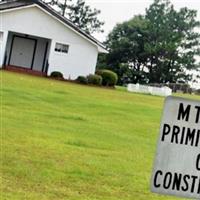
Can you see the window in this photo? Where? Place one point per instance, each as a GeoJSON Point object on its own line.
{"type": "Point", "coordinates": [64, 48]}
{"type": "Point", "coordinates": [1, 36]}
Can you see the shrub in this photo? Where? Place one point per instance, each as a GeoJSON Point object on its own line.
{"type": "Point", "coordinates": [82, 80]}
{"type": "Point", "coordinates": [109, 78]}
{"type": "Point", "coordinates": [57, 75]}
{"type": "Point", "coordinates": [94, 79]}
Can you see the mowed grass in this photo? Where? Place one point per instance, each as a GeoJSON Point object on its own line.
{"type": "Point", "coordinates": [67, 141]}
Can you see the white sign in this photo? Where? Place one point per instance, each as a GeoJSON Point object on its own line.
{"type": "Point", "coordinates": [177, 163]}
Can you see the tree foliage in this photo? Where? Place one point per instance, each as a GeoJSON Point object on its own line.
{"type": "Point", "coordinates": [158, 47]}
{"type": "Point", "coordinates": [80, 14]}
{"type": "Point", "coordinates": [84, 17]}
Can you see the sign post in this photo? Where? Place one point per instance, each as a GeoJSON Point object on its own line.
{"type": "Point", "coordinates": [177, 162]}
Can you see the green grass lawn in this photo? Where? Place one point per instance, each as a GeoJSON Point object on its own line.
{"type": "Point", "coordinates": [66, 141]}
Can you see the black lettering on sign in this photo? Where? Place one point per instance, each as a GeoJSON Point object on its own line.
{"type": "Point", "coordinates": [157, 185]}
{"type": "Point", "coordinates": [166, 131]}
{"type": "Point", "coordinates": [190, 137]}
{"type": "Point", "coordinates": [185, 180]}
{"type": "Point", "coordinates": [184, 113]}
{"type": "Point", "coordinates": [182, 135]}
{"type": "Point", "coordinates": [198, 191]}
{"type": "Point", "coordinates": [177, 182]}
{"type": "Point", "coordinates": [167, 180]}
{"type": "Point", "coordinates": [175, 132]}
{"type": "Point", "coordinates": [194, 178]}
{"type": "Point", "coordinates": [198, 114]}
{"type": "Point", "coordinates": [198, 162]}
{"type": "Point", "coordinates": [198, 138]}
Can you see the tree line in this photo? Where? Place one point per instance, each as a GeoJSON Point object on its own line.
{"type": "Point", "coordinates": [158, 47]}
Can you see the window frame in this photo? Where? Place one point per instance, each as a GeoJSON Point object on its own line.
{"type": "Point", "coordinates": [61, 48]}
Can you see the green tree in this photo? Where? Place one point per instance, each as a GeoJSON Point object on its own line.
{"type": "Point", "coordinates": [85, 17]}
{"type": "Point", "coordinates": [158, 47]}
{"type": "Point", "coordinates": [127, 56]}
{"type": "Point", "coordinates": [172, 42]}
{"type": "Point", "coordinates": [80, 14]}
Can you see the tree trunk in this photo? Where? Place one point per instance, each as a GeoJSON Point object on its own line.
{"type": "Point", "coordinates": [64, 8]}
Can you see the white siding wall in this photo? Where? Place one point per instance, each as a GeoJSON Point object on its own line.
{"type": "Point", "coordinates": [1, 47]}
{"type": "Point", "coordinates": [3, 41]}
{"type": "Point", "coordinates": [82, 56]}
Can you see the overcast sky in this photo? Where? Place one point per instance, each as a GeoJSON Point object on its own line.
{"type": "Point", "coordinates": [116, 11]}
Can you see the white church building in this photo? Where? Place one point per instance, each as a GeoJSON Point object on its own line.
{"type": "Point", "coordinates": [35, 38]}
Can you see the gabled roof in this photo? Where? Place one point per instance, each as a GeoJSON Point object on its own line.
{"type": "Point", "coordinates": [12, 4]}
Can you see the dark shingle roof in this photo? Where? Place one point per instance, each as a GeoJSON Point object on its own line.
{"type": "Point", "coordinates": [10, 4]}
